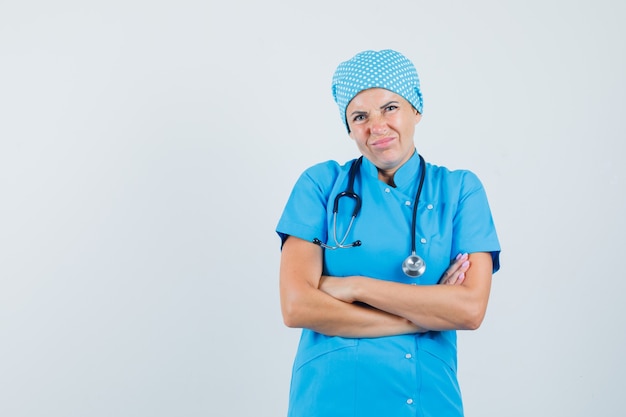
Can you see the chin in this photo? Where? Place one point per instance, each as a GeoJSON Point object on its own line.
{"type": "Point", "coordinates": [391, 161]}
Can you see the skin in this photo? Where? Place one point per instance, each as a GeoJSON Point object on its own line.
{"type": "Point", "coordinates": [382, 125]}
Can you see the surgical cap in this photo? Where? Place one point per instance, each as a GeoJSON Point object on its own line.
{"type": "Point", "coordinates": [386, 69]}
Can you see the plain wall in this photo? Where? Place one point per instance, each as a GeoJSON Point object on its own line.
{"type": "Point", "coordinates": [147, 150]}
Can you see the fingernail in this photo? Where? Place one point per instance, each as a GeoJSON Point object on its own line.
{"type": "Point", "coordinates": [461, 276]}
{"type": "Point", "coordinates": [459, 256]}
{"type": "Point", "coordinates": [464, 264]}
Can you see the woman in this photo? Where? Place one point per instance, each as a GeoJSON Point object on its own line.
{"type": "Point", "coordinates": [378, 334]}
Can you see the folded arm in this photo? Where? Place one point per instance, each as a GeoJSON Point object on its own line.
{"type": "Point", "coordinates": [432, 307]}
{"type": "Point", "coordinates": [304, 305]}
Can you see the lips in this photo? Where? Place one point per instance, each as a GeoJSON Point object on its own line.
{"type": "Point", "coordinates": [382, 142]}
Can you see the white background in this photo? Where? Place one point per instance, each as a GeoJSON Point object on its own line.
{"type": "Point", "coordinates": [147, 150]}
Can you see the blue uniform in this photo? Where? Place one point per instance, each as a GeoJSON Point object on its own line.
{"type": "Point", "coordinates": [406, 375]}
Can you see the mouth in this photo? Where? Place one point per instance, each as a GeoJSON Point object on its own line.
{"type": "Point", "coordinates": [382, 142]}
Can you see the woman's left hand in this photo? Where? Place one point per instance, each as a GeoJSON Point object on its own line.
{"type": "Point", "coordinates": [455, 274]}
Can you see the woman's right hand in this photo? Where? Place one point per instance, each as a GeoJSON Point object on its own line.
{"type": "Point", "coordinates": [455, 274]}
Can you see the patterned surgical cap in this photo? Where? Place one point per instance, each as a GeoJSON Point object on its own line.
{"type": "Point", "coordinates": [386, 69]}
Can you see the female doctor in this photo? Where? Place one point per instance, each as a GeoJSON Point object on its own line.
{"type": "Point", "coordinates": [383, 259]}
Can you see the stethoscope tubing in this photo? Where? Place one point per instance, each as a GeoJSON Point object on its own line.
{"type": "Point", "coordinates": [408, 265]}
{"type": "Point", "coordinates": [417, 197]}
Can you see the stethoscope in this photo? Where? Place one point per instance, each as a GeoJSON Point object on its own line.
{"type": "Point", "coordinates": [413, 266]}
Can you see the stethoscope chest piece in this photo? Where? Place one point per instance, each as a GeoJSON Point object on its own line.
{"type": "Point", "coordinates": [413, 266]}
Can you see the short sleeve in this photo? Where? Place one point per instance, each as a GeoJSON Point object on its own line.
{"type": "Point", "coordinates": [305, 212]}
{"type": "Point", "coordinates": [474, 228]}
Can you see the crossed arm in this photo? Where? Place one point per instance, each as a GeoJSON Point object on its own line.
{"type": "Point", "coordinates": [366, 307]}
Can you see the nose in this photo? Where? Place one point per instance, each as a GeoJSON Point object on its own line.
{"type": "Point", "coordinates": [378, 125]}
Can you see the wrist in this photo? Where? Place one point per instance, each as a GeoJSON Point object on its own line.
{"type": "Point", "coordinates": [356, 288]}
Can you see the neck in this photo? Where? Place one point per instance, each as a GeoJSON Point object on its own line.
{"type": "Point", "coordinates": [387, 176]}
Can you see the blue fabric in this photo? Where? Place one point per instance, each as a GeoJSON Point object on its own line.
{"type": "Point", "coordinates": [396, 376]}
{"type": "Point", "coordinates": [386, 69]}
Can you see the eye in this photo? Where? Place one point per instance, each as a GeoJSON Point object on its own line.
{"type": "Point", "coordinates": [391, 107]}
{"type": "Point", "coordinates": [358, 118]}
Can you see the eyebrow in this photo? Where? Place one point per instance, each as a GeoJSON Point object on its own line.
{"type": "Point", "coordinates": [391, 102]}
{"type": "Point", "coordinates": [381, 107]}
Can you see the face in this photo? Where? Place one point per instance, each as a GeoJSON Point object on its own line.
{"type": "Point", "coordinates": [382, 124]}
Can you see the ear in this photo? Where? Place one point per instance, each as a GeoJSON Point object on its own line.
{"type": "Point", "coordinates": [418, 116]}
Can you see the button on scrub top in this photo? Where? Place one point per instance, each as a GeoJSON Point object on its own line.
{"type": "Point", "coordinates": [404, 375]}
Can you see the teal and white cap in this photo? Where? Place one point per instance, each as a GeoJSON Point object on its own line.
{"type": "Point", "coordinates": [386, 69]}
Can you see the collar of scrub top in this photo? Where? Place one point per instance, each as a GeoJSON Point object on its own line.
{"type": "Point", "coordinates": [405, 176]}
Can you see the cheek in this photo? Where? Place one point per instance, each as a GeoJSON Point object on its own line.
{"type": "Point", "coordinates": [360, 141]}
{"type": "Point", "coordinates": [356, 135]}
{"type": "Point", "coordinates": [360, 144]}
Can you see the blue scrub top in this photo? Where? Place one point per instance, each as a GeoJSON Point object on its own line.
{"type": "Point", "coordinates": [404, 375]}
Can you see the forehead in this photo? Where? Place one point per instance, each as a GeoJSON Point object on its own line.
{"type": "Point", "coordinates": [375, 97]}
